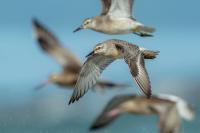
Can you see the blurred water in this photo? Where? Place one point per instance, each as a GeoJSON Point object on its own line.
{"type": "Point", "coordinates": [47, 111]}
{"type": "Point", "coordinates": [23, 65]}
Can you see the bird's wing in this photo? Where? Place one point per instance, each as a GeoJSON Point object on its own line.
{"type": "Point", "coordinates": [121, 8]}
{"type": "Point", "coordinates": [49, 44]}
{"type": "Point", "coordinates": [105, 6]}
{"type": "Point", "coordinates": [89, 74]}
{"type": "Point", "coordinates": [138, 71]}
{"type": "Point", "coordinates": [111, 111]}
{"type": "Point", "coordinates": [170, 120]}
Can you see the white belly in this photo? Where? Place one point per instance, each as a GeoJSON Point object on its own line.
{"type": "Point", "coordinates": [119, 26]}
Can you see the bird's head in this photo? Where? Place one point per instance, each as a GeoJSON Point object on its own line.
{"type": "Point", "coordinates": [106, 48]}
{"type": "Point", "coordinates": [100, 49]}
{"type": "Point", "coordinates": [88, 23]}
{"type": "Point", "coordinates": [54, 77]}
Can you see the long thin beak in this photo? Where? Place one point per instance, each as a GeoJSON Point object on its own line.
{"type": "Point", "coordinates": [91, 53]}
{"type": "Point", "coordinates": [42, 85]}
{"type": "Point", "coordinates": [78, 29]}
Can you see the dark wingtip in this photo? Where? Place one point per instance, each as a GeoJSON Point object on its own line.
{"type": "Point", "coordinates": [76, 96]}
{"type": "Point", "coordinates": [149, 94]}
{"type": "Point", "coordinates": [92, 128]}
{"type": "Point", "coordinates": [96, 127]}
{"type": "Point", "coordinates": [71, 101]}
{"type": "Point", "coordinates": [36, 23]}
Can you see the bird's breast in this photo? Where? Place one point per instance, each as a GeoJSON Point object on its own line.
{"type": "Point", "coordinates": [115, 26]}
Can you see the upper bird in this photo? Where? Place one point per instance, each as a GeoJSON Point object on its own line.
{"type": "Point", "coordinates": [70, 64]}
{"type": "Point", "coordinates": [104, 54]}
{"type": "Point", "coordinates": [169, 108]}
{"type": "Point", "coordinates": [116, 18]}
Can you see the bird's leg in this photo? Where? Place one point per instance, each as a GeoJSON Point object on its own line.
{"type": "Point", "coordinates": [142, 34]}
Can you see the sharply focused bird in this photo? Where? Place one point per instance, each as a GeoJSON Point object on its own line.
{"type": "Point", "coordinates": [169, 108]}
{"type": "Point", "coordinates": [70, 64]}
{"type": "Point", "coordinates": [116, 18]}
{"type": "Point", "coordinates": [104, 54]}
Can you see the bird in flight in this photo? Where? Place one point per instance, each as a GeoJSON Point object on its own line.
{"type": "Point", "coordinates": [169, 108]}
{"type": "Point", "coordinates": [104, 54]}
{"type": "Point", "coordinates": [70, 63]}
{"type": "Point", "coordinates": [116, 18]}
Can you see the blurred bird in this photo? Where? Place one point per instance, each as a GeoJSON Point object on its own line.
{"type": "Point", "coordinates": [169, 108]}
{"type": "Point", "coordinates": [116, 18]}
{"type": "Point", "coordinates": [70, 64]}
{"type": "Point", "coordinates": [103, 55]}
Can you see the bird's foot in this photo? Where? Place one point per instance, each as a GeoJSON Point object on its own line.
{"type": "Point", "coordinates": [143, 34]}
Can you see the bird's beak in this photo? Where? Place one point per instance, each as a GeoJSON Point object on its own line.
{"type": "Point", "coordinates": [78, 29]}
{"type": "Point", "coordinates": [90, 54]}
{"type": "Point", "coordinates": [42, 85]}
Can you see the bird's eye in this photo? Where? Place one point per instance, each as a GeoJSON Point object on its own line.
{"type": "Point", "coordinates": [98, 48]}
{"type": "Point", "coordinates": [87, 23]}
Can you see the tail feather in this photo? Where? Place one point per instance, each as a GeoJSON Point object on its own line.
{"type": "Point", "coordinates": [184, 109]}
{"type": "Point", "coordinates": [149, 54]}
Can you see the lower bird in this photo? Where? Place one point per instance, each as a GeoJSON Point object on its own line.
{"type": "Point", "coordinates": [169, 108]}
{"type": "Point", "coordinates": [104, 54]}
{"type": "Point", "coordinates": [70, 64]}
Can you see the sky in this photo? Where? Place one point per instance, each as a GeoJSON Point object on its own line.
{"type": "Point", "coordinates": [23, 65]}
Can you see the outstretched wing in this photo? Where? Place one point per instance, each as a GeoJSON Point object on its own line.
{"type": "Point", "coordinates": [111, 111]}
{"type": "Point", "coordinates": [49, 44]}
{"type": "Point", "coordinates": [121, 8]}
{"type": "Point", "coordinates": [138, 71]}
{"type": "Point", "coordinates": [105, 6]}
{"type": "Point", "coordinates": [90, 73]}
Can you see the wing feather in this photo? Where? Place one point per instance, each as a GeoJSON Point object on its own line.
{"type": "Point", "coordinates": [50, 44]}
{"type": "Point", "coordinates": [121, 8]}
{"type": "Point", "coordinates": [111, 111]}
{"type": "Point", "coordinates": [105, 6]}
{"type": "Point", "coordinates": [89, 74]}
{"type": "Point", "coordinates": [138, 71]}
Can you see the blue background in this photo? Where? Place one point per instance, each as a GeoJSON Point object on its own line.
{"type": "Point", "coordinates": [23, 65]}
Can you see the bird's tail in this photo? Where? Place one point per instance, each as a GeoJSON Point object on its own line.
{"type": "Point", "coordinates": [145, 29]}
{"type": "Point", "coordinates": [184, 109]}
{"type": "Point", "coordinates": [149, 54]}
